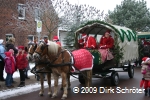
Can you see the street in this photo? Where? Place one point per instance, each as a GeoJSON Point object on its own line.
{"type": "Point", "coordinates": [128, 89]}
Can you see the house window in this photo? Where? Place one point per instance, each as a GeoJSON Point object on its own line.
{"type": "Point", "coordinates": [8, 36]}
{"type": "Point", "coordinates": [30, 38]}
{"type": "Point", "coordinates": [37, 14]}
{"type": "Point", "coordinates": [21, 11]}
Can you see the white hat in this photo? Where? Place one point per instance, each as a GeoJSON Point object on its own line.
{"type": "Point", "coordinates": [1, 41]}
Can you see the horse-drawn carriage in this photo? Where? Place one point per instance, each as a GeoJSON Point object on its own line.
{"type": "Point", "coordinates": [59, 60]}
{"type": "Point", "coordinates": [125, 50]}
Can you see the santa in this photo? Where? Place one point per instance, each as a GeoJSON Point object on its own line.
{"type": "Point", "coordinates": [106, 41]}
{"type": "Point", "coordinates": [87, 42]}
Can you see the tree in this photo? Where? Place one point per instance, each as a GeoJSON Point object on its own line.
{"type": "Point", "coordinates": [78, 15]}
{"type": "Point", "coordinates": [132, 14]}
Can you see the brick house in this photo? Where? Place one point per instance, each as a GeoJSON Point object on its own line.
{"type": "Point", "coordinates": [15, 21]}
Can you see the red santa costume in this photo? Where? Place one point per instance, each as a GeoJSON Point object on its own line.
{"type": "Point", "coordinates": [106, 43]}
{"type": "Point", "coordinates": [145, 70]}
{"type": "Point", "coordinates": [87, 42]}
{"type": "Point", "coordinates": [55, 38]}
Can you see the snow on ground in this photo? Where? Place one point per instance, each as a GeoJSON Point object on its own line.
{"type": "Point", "coordinates": [27, 89]}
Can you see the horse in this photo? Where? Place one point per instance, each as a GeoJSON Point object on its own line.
{"type": "Point", "coordinates": [41, 65]}
{"type": "Point", "coordinates": [38, 66]}
{"type": "Point", "coordinates": [60, 63]}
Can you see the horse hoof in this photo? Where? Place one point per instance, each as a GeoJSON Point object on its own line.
{"type": "Point", "coordinates": [41, 94]}
{"type": "Point", "coordinates": [54, 96]}
{"type": "Point", "coordinates": [63, 98]}
{"type": "Point", "coordinates": [61, 88]}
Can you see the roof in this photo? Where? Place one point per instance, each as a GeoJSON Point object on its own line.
{"type": "Point", "coordinates": [143, 34]}
{"type": "Point", "coordinates": [100, 28]}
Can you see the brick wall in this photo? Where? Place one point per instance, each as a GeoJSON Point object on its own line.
{"type": "Point", "coordinates": [19, 28]}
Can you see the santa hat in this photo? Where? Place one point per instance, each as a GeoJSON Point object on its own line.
{"type": "Point", "coordinates": [84, 35]}
{"type": "Point", "coordinates": [145, 59]}
{"type": "Point", "coordinates": [1, 41]}
{"type": "Point", "coordinates": [21, 47]}
{"type": "Point", "coordinates": [55, 38]}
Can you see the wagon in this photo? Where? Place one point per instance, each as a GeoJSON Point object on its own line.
{"type": "Point", "coordinates": [125, 50]}
{"type": "Point", "coordinates": [144, 45]}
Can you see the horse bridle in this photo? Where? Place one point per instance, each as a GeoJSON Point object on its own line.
{"type": "Point", "coordinates": [41, 48]}
{"type": "Point", "coordinates": [34, 48]}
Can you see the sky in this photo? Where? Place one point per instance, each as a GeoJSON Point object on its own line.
{"type": "Point", "coordinates": [103, 4]}
{"type": "Point", "coordinates": [28, 88]}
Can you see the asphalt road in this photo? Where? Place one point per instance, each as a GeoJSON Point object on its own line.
{"type": "Point", "coordinates": [98, 85]}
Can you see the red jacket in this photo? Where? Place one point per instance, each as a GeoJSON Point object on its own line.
{"type": "Point", "coordinates": [9, 63]}
{"type": "Point", "coordinates": [89, 43]}
{"type": "Point", "coordinates": [21, 61]}
{"type": "Point", "coordinates": [106, 43]}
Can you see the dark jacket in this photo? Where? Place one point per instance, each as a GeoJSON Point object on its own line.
{"type": "Point", "coordinates": [11, 46]}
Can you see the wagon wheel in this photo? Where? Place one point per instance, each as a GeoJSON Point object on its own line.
{"type": "Point", "coordinates": [114, 78]}
{"type": "Point", "coordinates": [130, 71]}
{"type": "Point", "coordinates": [81, 79]}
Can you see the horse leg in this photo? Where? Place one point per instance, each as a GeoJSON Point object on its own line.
{"type": "Point", "coordinates": [88, 77]}
{"type": "Point", "coordinates": [42, 86]}
{"type": "Point", "coordinates": [68, 81]}
{"type": "Point", "coordinates": [55, 85]}
{"type": "Point", "coordinates": [64, 83]}
{"type": "Point", "coordinates": [49, 84]}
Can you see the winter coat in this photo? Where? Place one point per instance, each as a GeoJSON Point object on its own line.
{"type": "Point", "coordinates": [9, 63]}
{"type": "Point", "coordinates": [11, 46]}
{"type": "Point", "coordinates": [145, 70]}
{"type": "Point", "coordinates": [106, 43]}
{"type": "Point", "coordinates": [21, 61]}
{"type": "Point", "coordinates": [2, 52]}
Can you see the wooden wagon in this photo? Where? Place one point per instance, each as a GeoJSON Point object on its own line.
{"type": "Point", "coordinates": [125, 50]}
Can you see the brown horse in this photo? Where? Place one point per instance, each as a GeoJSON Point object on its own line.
{"type": "Point", "coordinates": [42, 65]}
{"type": "Point", "coordinates": [60, 62]}
{"type": "Point", "coordinates": [38, 66]}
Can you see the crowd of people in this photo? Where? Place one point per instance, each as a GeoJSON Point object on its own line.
{"type": "Point", "coordinates": [15, 58]}
{"type": "Point", "coordinates": [12, 59]}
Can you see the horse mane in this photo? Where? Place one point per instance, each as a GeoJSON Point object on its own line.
{"type": "Point", "coordinates": [52, 47]}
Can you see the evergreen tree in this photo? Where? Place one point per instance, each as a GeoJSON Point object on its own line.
{"type": "Point", "coordinates": [132, 14]}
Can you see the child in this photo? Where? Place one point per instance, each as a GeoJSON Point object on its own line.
{"type": "Point", "coordinates": [12, 51]}
{"type": "Point", "coordinates": [28, 66]}
{"type": "Point", "coordinates": [9, 68]}
{"type": "Point", "coordinates": [145, 70]}
{"type": "Point", "coordinates": [22, 63]}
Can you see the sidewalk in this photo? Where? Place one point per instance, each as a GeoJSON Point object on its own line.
{"type": "Point", "coordinates": [30, 85]}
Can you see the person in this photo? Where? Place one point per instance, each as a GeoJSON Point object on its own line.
{"type": "Point", "coordinates": [9, 68]}
{"type": "Point", "coordinates": [106, 43]}
{"type": "Point", "coordinates": [2, 63]}
{"type": "Point", "coordinates": [55, 39]}
{"type": "Point", "coordinates": [87, 42]}
{"type": "Point", "coordinates": [28, 67]}
{"type": "Point", "coordinates": [145, 70]}
{"type": "Point", "coordinates": [10, 45]}
{"type": "Point", "coordinates": [21, 62]}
